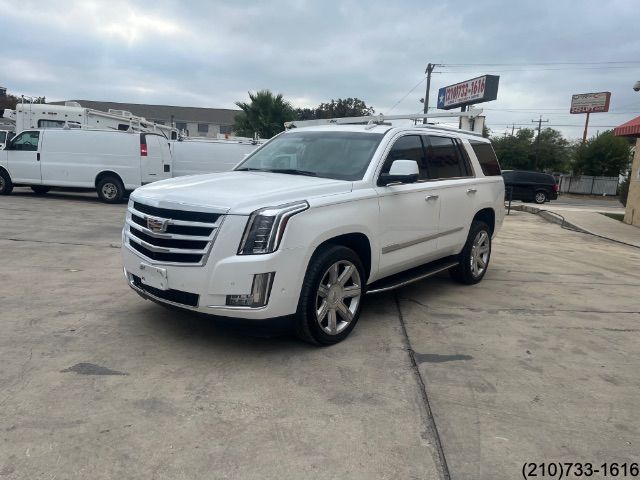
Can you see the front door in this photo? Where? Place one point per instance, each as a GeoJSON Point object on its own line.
{"type": "Point", "coordinates": [408, 213]}
{"type": "Point", "coordinates": [23, 158]}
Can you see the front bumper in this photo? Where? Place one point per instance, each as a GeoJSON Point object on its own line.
{"type": "Point", "coordinates": [224, 273]}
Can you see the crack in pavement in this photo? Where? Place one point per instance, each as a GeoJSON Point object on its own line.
{"type": "Point", "coordinates": [111, 245]}
{"type": "Point", "coordinates": [432, 428]}
{"type": "Point", "coordinates": [514, 310]}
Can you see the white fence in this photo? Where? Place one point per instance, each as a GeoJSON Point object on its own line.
{"type": "Point", "coordinates": [588, 185]}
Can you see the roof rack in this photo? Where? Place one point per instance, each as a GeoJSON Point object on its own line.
{"type": "Point", "coordinates": [371, 121]}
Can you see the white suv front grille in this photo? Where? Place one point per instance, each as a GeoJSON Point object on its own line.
{"type": "Point", "coordinates": [163, 235]}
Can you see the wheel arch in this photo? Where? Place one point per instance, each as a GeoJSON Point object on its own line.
{"type": "Point", "coordinates": [3, 169]}
{"type": "Point", "coordinates": [356, 241]}
{"type": "Point", "coordinates": [488, 216]}
{"type": "Point", "coordinates": [107, 173]}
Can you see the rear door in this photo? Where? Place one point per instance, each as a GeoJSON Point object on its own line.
{"type": "Point", "coordinates": [450, 171]}
{"type": "Point", "coordinates": [23, 158]}
{"type": "Point", "coordinates": [151, 158]}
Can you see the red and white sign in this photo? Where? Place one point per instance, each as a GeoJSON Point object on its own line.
{"type": "Point", "coordinates": [464, 92]}
{"type": "Point", "coordinates": [590, 102]}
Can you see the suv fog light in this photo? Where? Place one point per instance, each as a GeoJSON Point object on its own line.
{"type": "Point", "coordinates": [259, 295]}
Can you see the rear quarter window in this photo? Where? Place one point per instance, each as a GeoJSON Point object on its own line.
{"type": "Point", "coordinates": [486, 157]}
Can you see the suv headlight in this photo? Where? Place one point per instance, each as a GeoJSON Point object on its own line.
{"type": "Point", "coordinates": [266, 226]}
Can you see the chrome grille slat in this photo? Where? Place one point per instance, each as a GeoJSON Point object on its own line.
{"type": "Point", "coordinates": [187, 223]}
{"type": "Point", "coordinates": [173, 236]}
{"type": "Point", "coordinates": [169, 247]}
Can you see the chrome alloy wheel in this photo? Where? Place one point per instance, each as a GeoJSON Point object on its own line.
{"type": "Point", "coordinates": [338, 297]}
{"type": "Point", "coordinates": [109, 191]}
{"type": "Point", "coordinates": [541, 197]}
{"type": "Point", "coordinates": [480, 253]}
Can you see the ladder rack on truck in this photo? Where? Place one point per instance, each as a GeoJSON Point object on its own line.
{"type": "Point", "coordinates": [471, 120]}
{"type": "Point", "coordinates": [73, 115]}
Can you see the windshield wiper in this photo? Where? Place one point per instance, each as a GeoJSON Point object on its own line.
{"type": "Point", "coordinates": [292, 171]}
{"type": "Point", "coordinates": [249, 169]}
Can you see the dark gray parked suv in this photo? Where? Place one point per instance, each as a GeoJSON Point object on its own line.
{"type": "Point", "coordinates": [530, 186]}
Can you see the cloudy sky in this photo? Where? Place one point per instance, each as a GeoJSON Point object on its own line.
{"type": "Point", "coordinates": [210, 53]}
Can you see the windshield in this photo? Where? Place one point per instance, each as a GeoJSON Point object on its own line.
{"type": "Point", "coordinates": [337, 155]}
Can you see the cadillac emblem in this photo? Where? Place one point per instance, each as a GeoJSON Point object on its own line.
{"type": "Point", "coordinates": [157, 225]}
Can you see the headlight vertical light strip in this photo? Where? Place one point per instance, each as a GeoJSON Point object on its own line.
{"type": "Point", "coordinates": [266, 227]}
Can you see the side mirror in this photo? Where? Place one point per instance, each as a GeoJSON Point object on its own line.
{"type": "Point", "coordinates": [401, 171]}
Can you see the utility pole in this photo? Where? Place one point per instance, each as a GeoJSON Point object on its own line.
{"type": "Point", "coordinates": [586, 126]}
{"type": "Point", "coordinates": [513, 127]}
{"type": "Point", "coordinates": [428, 71]}
{"type": "Point", "coordinates": [540, 121]}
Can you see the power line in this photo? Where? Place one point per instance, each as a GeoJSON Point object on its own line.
{"type": "Point", "coordinates": [406, 95]}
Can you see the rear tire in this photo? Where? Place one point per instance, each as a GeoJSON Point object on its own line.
{"type": "Point", "coordinates": [6, 185]}
{"type": "Point", "coordinates": [40, 189]}
{"type": "Point", "coordinates": [540, 197]}
{"type": "Point", "coordinates": [331, 297]}
{"type": "Point", "coordinates": [475, 256]}
{"type": "Point", "coordinates": [110, 189]}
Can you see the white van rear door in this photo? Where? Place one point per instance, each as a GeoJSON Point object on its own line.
{"type": "Point", "coordinates": [152, 164]}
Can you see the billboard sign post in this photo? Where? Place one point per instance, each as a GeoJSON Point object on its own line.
{"type": "Point", "coordinates": [589, 103]}
{"type": "Point", "coordinates": [469, 92]}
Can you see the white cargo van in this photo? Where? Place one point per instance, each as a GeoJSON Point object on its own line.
{"type": "Point", "coordinates": [111, 162]}
{"type": "Point", "coordinates": [195, 156]}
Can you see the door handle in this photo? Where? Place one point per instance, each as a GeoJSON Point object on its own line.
{"type": "Point", "coordinates": [38, 156]}
{"type": "Point", "coordinates": [471, 190]}
{"type": "Point", "coordinates": [431, 197]}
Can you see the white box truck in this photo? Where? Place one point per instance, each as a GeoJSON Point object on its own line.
{"type": "Point", "coordinates": [110, 162]}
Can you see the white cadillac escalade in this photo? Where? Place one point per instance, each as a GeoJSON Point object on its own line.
{"type": "Point", "coordinates": [315, 219]}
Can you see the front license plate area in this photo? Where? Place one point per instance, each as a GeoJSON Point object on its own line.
{"type": "Point", "coordinates": [155, 277]}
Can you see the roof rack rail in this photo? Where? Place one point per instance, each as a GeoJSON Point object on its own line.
{"type": "Point", "coordinates": [372, 120]}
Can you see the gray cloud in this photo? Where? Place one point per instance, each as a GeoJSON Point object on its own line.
{"type": "Point", "coordinates": [212, 53]}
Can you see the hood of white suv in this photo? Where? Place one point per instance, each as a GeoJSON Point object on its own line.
{"type": "Point", "coordinates": [237, 193]}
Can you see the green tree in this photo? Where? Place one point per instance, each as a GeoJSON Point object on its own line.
{"type": "Point", "coordinates": [513, 150]}
{"type": "Point", "coordinates": [265, 114]}
{"type": "Point", "coordinates": [518, 151]}
{"type": "Point", "coordinates": [340, 108]}
{"type": "Point", "coordinates": [553, 152]}
{"type": "Point", "coordinates": [10, 101]}
{"type": "Point", "coordinates": [605, 155]}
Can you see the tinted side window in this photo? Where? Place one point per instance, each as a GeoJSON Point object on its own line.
{"type": "Point", "coordinates": [486, 157]}
{"type": "Point", "coordinates": [444, 160]}
{"type": "Point", "coordinates": [26, 141]}
{"type": "Point", "coordinates": [408, 147]}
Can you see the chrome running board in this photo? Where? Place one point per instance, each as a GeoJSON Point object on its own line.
{"type": "Point", "coordinates": [410, 276]}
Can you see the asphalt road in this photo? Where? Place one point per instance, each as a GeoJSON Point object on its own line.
{"type": "Point", "coordinates": [537, 363]}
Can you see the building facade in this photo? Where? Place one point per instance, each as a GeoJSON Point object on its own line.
{"type": "Point", "coordinates": [195, 121]}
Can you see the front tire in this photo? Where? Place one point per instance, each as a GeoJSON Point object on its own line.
{"type": "Point", "coordinates": [6, 185]}
{"type": "Point", "coordinates": [110, 189]}
{"type": "Point", "coordinates": [475, 256]}
{"type": "Point", "coordinates": [540, 197]}
{"type": "Point", "coordinates": [331, 296]}
{"type": "Point", "coordinates": [40, 189]}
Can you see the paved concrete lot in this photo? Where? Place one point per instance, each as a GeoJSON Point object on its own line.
{"type": "Point", "coordinates": [539, 362]}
